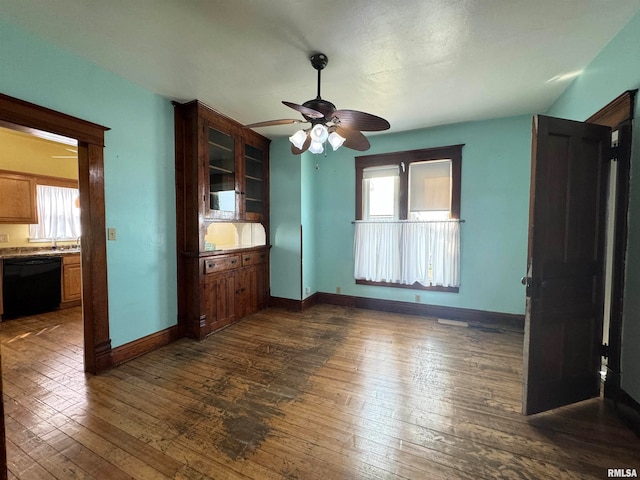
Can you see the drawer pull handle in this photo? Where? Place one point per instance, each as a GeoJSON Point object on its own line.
{"type": "Point", "coordinates": [247, 259]}
{"type": "Point", "coordinates": [212, 264]}
{"type": "Point", "coordinates": [233, 262]}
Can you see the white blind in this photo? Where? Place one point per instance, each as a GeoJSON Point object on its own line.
{"type": "Point", "coordinates": [381, 171]}
{"type": "Point", "coordinates": [430, 186]}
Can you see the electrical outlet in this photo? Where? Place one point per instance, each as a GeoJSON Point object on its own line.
{"type": "Point", "coordinates": [111, 233]}
{"type": "Point", "coordinates": [307, 290]}
{"type": "Point", "coordinates": [4, 238]}
{"type": "Point", "coordinates": [417, 298]}
{"type": "Point", "coordinates": [337, 289]}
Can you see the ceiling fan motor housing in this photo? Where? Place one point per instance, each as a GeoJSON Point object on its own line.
{"type": "Point", "coordinates": [325, 107]}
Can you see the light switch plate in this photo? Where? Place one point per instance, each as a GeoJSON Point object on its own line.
{"type": "Point", "coordinates": [4, 238]}
{"type": "Point", "coordinates": [111, 233]}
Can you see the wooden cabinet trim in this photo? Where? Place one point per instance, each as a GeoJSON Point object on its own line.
{"type": "Point", "coordinates": [213, 291]}
{"type": "Point", "coordinates": [18, 199]}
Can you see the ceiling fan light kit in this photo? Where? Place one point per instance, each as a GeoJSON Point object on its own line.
{"type": "Point", "coordinates": [298, 138]}
{"type": "Point", "coordinates": [336, 140]}
{"type": "Point", "coordinates": [338, 127]}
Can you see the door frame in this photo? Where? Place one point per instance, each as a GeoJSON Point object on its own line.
{"type": "Point", "coordinates": [90, 138]}
{"type": "Point", "coordinates": [618, 115]}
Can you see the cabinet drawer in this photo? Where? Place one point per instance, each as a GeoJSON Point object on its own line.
{"type": "Point", "coordinates": [254, 258]}
{"type": "Point", "coordinates": [71, 259]}
{"type": "Point", "coordinates": [220, 264]}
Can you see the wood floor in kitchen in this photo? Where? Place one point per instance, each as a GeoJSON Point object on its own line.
{"type": "Point", "coordinates": [330, 393]}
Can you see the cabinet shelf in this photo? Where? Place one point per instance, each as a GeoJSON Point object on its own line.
{"type": "Point", "coordinates": [253, 178]}
{"type": "Point", "coordinates": [221, 147]}
{"type": "Point", "coordinates": [220, 169]}
{"type": "Point", "coordinates": [248, 157]}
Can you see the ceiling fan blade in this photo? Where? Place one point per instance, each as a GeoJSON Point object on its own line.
{"type": "Point", "coordinates": [354, 139]}
{"type": "Point", "coordinates": [305, 146]}
{"type": "Point", "coordinates": [360, 120]}
{"type": "Point", "coordinates": [268, 123]}
{"type": "Point", "coordinates": [309, 112]}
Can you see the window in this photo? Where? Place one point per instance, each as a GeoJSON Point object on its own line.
{"type": "Point", "coordinates": [58, 214]}
{"type": "Point", "coordinates": [408, 212]}
{"type": "Point", "coordinates": [381, 189]}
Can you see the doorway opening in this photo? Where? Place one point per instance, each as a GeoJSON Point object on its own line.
{"type": "Point", "coordinates": [32, 118]}
{"type": "Point", "coordinates": [567, 255]}
{"type": "Point", "coordinates": [42, 270]}
{"type": "Point", "coordinates": [618, 115]}
{"type": "Point", "coordinates": [609, 252]}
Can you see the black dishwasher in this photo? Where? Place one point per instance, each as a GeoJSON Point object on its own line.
{"type": "Point", "coordinates": [30, 285]}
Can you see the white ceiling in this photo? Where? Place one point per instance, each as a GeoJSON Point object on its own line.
{"type": "Point", "coordinates": [417, 63]}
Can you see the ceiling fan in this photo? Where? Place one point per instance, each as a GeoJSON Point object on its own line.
{"type": "Point", "coordinates": [338, 127]}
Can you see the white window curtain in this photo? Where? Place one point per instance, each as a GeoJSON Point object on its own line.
{"type": "Point", "coordinates": [58, 214]}
{"type": "Point", "coordinates": [407, 252]}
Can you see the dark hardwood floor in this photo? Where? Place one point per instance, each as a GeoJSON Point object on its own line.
{"type": "Point", "coordinates": [330, 393]}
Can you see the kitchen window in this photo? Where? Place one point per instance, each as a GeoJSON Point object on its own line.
{"type": "Point", "coordinates": [408, 219]}
{"type": "Point", "coordinates": [58, 214]}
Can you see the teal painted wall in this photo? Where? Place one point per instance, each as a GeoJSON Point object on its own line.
{"type": "Point", "coordinates": [309, 205]}
{"type": "Point", "coordinates": [614, 70]}
{"type": "Point", "coordinates": [285, 183]}
{"type": "Point", "coordinates": [139, 172]}
{"type": "Point", "coordinates": [495, 186]}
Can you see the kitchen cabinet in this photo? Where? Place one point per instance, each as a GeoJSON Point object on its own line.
{"type": "Point", "coordinates": [17, 199]}
{"type": "Point", "coordinates": [233, 286]}
{"type": "Point", "coordinates": [222, 175]}
{"type": "Point", "coordinates": [71, 281]}
{"type": "Point", "coordinates": [252, 291]}
{"type": "Point", "coordinates": [224, 166]}
{"type": "Point", "coordinates": [219, 291]}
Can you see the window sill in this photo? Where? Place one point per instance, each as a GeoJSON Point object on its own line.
{"type": "Point", "coordinates": [415, 286]}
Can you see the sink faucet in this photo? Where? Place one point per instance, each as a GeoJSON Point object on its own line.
{"type": "Point", "coordinates": [78, 241]}
{"type": "Point", "coordinates": [54, 243]}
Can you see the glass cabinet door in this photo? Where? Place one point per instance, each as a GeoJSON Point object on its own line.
{"type": "Point", "coordinates": [254, 184]}
{"type": "Point", "coordinates": [222, 175]}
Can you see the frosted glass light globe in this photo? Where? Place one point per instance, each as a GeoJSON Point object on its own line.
{"type": "Point", "coordinates": [336, 140]}
{"type": "Point", "coordinates": [298, 138]}
{"type": "Point", "coordinates": [319, 133]}
{"type": "Point", "coordinates": [316, 147]}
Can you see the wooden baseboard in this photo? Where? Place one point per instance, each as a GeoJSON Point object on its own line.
{"type": "Point", "coordinates": [131, 350]}
{"type": "Point", "coordinates": [481, 317]}
{"type": "Point", "coordinates": [293, 305]}
{"type": "Point", "coordinates": [70, 303]}
{"type": "Point", "coordinates": [310, 301]}
{"type": "Point", "coordinates": [628, 409]}
{"type": "Point", "coordinates": [286, 304]}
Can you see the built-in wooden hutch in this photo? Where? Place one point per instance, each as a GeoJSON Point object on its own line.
{"type": "Point", "coordinates": [222, 200]}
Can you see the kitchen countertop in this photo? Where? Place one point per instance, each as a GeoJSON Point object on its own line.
{"type": "Point", "coordinates": [17, 252]}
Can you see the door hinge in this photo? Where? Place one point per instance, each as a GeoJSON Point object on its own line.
{"type": "Point", "coordinates": [614, 153]}
{"type": "Point", "coordinates": [604, 350]}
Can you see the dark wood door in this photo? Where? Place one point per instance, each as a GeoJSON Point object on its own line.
{"type": "Point", "coordinates": [218, 300]}
{"type": "Point", "coordinates": [564, 312]}
{"type": "Point", "coordinates": [247, 292]}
